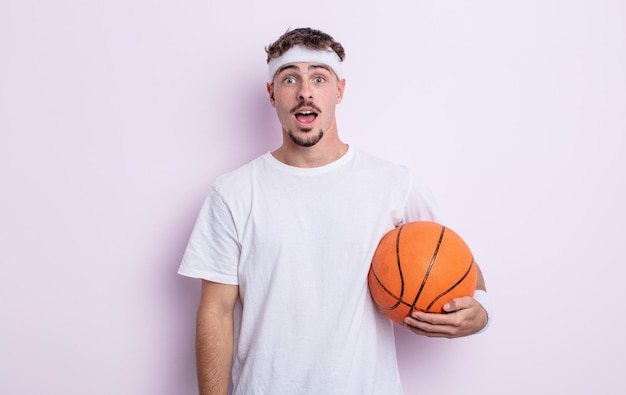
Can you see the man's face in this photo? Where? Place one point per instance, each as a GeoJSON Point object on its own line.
{"type": "Point", "coordinates": [305, 96]}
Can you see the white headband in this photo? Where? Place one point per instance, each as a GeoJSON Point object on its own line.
{"type": "Point", "coordinates": [300, 53]}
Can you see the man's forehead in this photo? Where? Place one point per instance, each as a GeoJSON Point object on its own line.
{"type": "Point", "coordinates": [325, 58]}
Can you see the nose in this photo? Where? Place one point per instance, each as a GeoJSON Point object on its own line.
{"type": "Point", "coordinates": [305, 91]}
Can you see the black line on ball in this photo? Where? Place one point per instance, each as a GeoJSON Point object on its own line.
{"type": "Point", "coordinates": [469, 269]}
{"type": "Point", "coordinates": [380, 283]}
{"type": "Point", "coordinates": [430, 266]}
{"type": "Point", "coordinates": [399, 301]}
{"type": "Point", "coordinates": [399, 265]}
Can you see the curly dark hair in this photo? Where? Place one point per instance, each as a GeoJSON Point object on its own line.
{"type": "Point", "coordinates": [310, 38]}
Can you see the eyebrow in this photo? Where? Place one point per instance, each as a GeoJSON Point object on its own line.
{"type": "Point", "coordinates": [311, 67]}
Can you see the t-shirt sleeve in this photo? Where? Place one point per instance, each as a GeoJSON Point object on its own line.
{"type": "Point", "coordinates": [213, 249]}
{"type": "Point", "coordinates": [420, 203]}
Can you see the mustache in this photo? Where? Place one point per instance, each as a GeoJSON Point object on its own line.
{"type": "Point", "coordinates": [305, 104]}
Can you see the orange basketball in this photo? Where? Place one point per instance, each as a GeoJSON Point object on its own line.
{"type": "Point", "coordinates": [420, 266]}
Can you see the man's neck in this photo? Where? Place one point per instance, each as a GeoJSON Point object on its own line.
{"type": "Point", "coordinates": [318, 155]}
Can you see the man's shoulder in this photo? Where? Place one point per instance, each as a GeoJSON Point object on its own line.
{"type": "Point", "coordinates": [373, 162]}
{"type": "Point", "coordinates": [242, 171]}
{"type": "Point", "coordinates": [239, 177]}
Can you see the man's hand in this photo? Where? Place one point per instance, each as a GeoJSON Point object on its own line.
{"type": "Point", "coordinates": [463, 317]}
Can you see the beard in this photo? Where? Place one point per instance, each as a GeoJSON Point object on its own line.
{"type": "Point", "coordinates": [307, 141]}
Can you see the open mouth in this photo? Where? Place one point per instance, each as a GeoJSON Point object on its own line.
{"type": "Point", "coordinates": [306, 116]}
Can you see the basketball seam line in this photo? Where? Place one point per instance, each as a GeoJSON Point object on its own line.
{"type": "Point", "coordinates": [469, 269]}
{"type": "Point", "coordinates": [398, 298]}
{"type": "Point", "coordinates": [430, 266]}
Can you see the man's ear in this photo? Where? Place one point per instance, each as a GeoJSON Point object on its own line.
{"type": "Point", "coordinates": [341, 86]}
{"type": "Point", "coordinates": [270, 91]}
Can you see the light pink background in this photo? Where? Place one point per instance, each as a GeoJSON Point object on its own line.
{"type": "Point", "coordinates": [115, 117]}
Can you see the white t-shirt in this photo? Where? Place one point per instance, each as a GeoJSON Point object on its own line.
{"type": "Point", "coordinates": [299, 242]}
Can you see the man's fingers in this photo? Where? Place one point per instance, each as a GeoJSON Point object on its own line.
{"type": "Point", "coordinates": [435, 319]}
{"type": "Point", "coordinates": [428, 329]}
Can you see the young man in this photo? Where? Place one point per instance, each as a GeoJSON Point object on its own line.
{"type": "Point", "coordinates": [283, 246]}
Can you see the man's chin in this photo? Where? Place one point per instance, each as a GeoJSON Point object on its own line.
{"type": "Point", "coordinates": [306, 141]}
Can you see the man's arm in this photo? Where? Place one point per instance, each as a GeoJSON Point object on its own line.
{"type": "Point", "coordinates": [464, 316]}
{"type": "Point", "coordinates": [214, 336]}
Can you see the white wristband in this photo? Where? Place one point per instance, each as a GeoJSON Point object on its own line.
{"type": "Point", "coordinates": [482, 297]}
